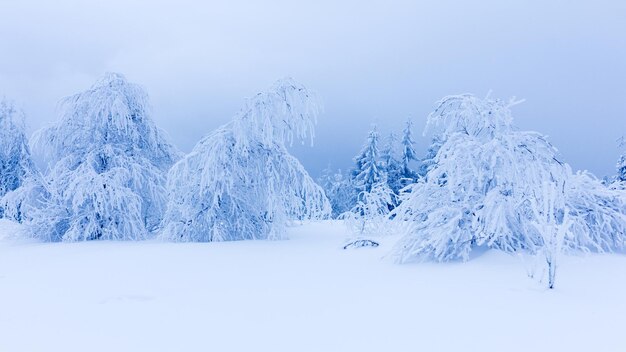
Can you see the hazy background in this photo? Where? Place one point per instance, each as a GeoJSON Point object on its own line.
{"type": "Point", "coordinates": [370, 61]}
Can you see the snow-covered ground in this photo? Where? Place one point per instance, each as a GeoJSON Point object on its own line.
{"type": "Point", "coordinates": [302, 294]}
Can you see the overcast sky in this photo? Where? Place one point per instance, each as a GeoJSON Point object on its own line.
{"type": "Point", "coordinates": [370, 61]}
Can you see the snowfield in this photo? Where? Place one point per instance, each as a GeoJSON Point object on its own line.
{"type": "Point", "coordinates": [301, 294]}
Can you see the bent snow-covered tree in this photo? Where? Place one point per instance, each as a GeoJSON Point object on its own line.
{"type": "Point", "coordinates": [20, 181]}
{"type": "Point", "coordinates": [240, 182]}
{"type": "Point", "coordinates": [479, 188]}
{"type": "Point", "coordinates": [107, 166]}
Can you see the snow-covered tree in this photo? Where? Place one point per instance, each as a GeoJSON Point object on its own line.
{"type": "Point", "coordinates": [492, 185]}
{"type": "Point", "coordinates": [15, 160]}
{"type": "Point", "coordinates": [621, 169]}
{"type": "Point", "coordinates": [240, 182]}
{"type": "Point", "coordinates": [390, 164]}
{"type": "Point", "coordinates": [428, 161]}
{"type": "Point", "coordinates": [480, 187]}
{"type": "Point", "coordinates": [408, 153]}
{"type": "Point", "coordinates": [358, 161]}
{"type": "Point", "coordinates": [107, 165]}
{"type": "Point", "coordinates": [369, 171]}
{"type": "Point", "coordinates": [339, 190]}
{"type": "Point", "coordinates": [621, 163]}
{"type": "Point", "coordinates": [17, 170]}
{"type": "Point", "coordinates": [375, 198]}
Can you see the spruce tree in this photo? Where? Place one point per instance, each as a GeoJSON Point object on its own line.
{"type": "Point", "coordinates": [621, 163]}
{"type": "Point", "coordinates": [408, 154]}
{"type": "Point", "coordinates": [621, 168]}
{"type": "Point", "coordinates": [390, 164]}
{"type": "Point", "coordinates": [369, 171]}
{"type": "Point", "coordinates": [428, 162]}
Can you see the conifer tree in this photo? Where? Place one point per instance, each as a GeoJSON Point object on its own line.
{"type": "Point", "coordinates": [621, 162]}
{"type": "Point", "coordinates": [428, 162]}
{"type": "Point", "coordinates": [390, 164]}
{"type": "Point", "coordinates": [408, 153]}
{"type": "Point", "coordinates": [369, 170]}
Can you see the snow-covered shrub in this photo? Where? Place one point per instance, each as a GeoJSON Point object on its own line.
{"type": "Point", "coordinates": [240, 182]}
{"type": "Point", "coordinates": [20, 181]}
{"type": "Point", "coordinates": [551, 219]}
{"type": "Point", "coordinates": [371, 214]}
{"type": "Point", "coordinates": [107, 165]}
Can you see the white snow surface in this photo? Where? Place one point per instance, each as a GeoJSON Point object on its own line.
{"type": "Point", "coordinates": [301, 294]}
